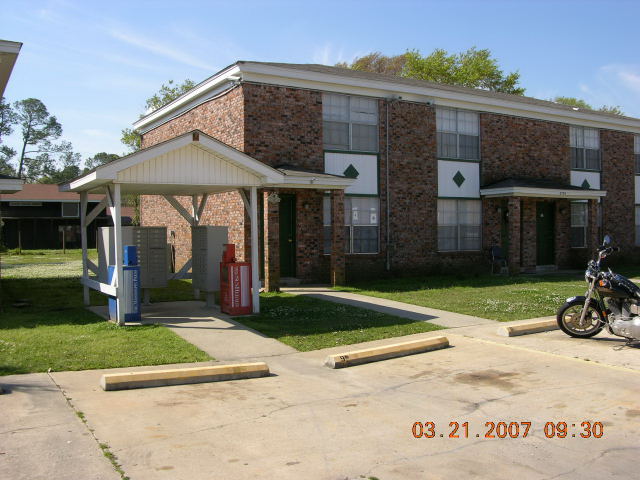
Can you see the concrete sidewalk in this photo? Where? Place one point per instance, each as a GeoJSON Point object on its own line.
{"type": "Point", "coordinates": [210, 330]}
{"type": "Point", "coordinates": [399, 309]}
{"type": "Point", "coordinates": [42, 438]}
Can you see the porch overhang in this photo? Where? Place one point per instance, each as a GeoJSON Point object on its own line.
{"type": "Point", "coordinates": [537, 188]}
{"type": "Point", "coordinates": [191, 164]}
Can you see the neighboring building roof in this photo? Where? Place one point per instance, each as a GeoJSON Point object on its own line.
{"type": "Point", "coordinates": [48, 192]}
{"type": "Point", "coordinates": [348, 81]}
{"type": "Point", "coordinates": [9, 184]}
{"type": "Point", "coordinates": [8, 54]}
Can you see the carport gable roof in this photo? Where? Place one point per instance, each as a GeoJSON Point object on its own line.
{"type": "Point", "coordinates": [194, 163]}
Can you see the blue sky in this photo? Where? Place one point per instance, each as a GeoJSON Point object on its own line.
{"type": "Point", "coordinates": [94, 63]}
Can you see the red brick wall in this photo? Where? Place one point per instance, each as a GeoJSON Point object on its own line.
{"type": "Point", "coordinates": [618, 180]}
{"type": "Point", "coordinates": [279, 125]}
{"type": "Point", "coordinates": [413, 184]}
{"type": "Point", "coordinates": [221, 118]}
{"type": "Point", "coordinates": [522, 147]}
{"type": "Point", "coordinates": [283, 126]}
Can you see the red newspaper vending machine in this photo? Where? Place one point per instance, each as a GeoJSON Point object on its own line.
{"type": "Point", "coordinates": [235, 283]}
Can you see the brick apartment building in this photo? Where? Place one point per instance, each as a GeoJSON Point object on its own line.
{"type": "Point", "coordinates": [440, 173]}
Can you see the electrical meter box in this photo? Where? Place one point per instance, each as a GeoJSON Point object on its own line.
{"type": "Point", "coordinates": [207, 244]}
{"type": "Point", "coordinates": [153, 254]}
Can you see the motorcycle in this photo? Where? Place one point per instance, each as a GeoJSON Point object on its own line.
{"type": "Point", "coordinates": [611, 301]}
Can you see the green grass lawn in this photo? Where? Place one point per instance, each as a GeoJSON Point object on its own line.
{"type": "Point", "coordinates": [55, 331]}
{"type": "Point", "coordinates": [489, 296]}
{"type": "Point", "coordinates": [310, 324]}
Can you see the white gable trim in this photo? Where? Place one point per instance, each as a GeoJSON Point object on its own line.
{"type": "Point", "coordinates": [257, 173]}
{"type": "Point", "coordinates": [297, 78]}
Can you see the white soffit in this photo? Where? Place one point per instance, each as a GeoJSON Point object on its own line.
{"type": "Point", "coordinates": [472, 101]}
{"type": "Point", "coordinates": [542, 193]}
{"type": "Point", "coordinates": [383, 88]}
{"type": "Point", "coordinates": [193, 97]}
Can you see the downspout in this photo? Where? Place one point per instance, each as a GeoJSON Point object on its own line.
{"type": "Point", "coordinates": [386, 184]}
{"type": "Point", "coordinates": [387, 198]}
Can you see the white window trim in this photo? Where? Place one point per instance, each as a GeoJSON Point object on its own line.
{"type": "Point", "coordinates": [636, 154]}
{"type": "Point", "coordinates": [457, 133]}
{"type": "Point", "coordinates": [351, 123]}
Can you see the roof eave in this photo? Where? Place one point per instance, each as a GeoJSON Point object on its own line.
{"type": "Point", "coordinates": [570, 194]}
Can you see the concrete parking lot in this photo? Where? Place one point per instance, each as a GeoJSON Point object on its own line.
{"type": "Point", "coordinates": [307, 421]}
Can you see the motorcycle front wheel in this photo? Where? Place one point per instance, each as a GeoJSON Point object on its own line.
{"type": "Point", "coordinates": [569, 320]}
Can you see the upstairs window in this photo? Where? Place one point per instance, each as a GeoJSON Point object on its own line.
{"type": "Point", "coordinates": [636, 151]}
{"type": "Point", "coordinates": [350, 123]}
{"type": "Point", "coordinates": [458, 133]}
{"type": "Point", "coordinates": [585, 148]}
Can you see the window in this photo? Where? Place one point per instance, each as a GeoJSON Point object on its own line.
{"type": "Point", "coordinates": [578, 224]}
{"type": "Point", "coordinates": [636, 151]}
{"type": "Point", "coordinates": [585, 148]}
{"type": "Point", "coordinates": [459, 224]}
{"type": "Point", "coordinates": [361, 224]}
{"type": "Point", "coordinates": [458, 134]}
{"type": "Point", "coordinates": [637, 225]}
{"type": "Point", "coordinates": [70, 209]}
{"type": "Point", "coordinates": [350, 123]}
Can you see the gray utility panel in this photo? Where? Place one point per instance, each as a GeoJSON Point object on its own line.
{"type": "Point", "coordinates": [153, 253]}
{"type": "Point", "coordinates": [207, 244]}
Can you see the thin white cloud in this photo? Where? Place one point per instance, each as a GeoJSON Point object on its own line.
{"type": "Point", "coordinates": [158, 48]}
{"type": "Point", "coordinates": [329, 55]}
{"type": "Point", "coordinates": [614, 85]}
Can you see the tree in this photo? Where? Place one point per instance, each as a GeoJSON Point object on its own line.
{"type": "Point", "coordinates": [38, 128]}
{"type": "Point", "coordinates": [473, 68]}
{"type": "Point", "coordinates": [579, 103]}
{"type": "Point", "coordinates": [99, 159]}
{"type": "Point", "coordinates": [131, 139]}
{"type": "Point", "coordinates": [57, 165]}
{"type": "Point", "coordinates": [167, 93]}
{"type": "Point", "coordinates": [378, 63]}
{"type": "Point", "coordinates": [7, 121]}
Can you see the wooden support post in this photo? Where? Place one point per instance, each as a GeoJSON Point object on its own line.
{"type": "Point", "coordinates": [255, 278]}
{"type": "Point", "coordinates": [117, 224]}
{"type": "Point", "coordinates": [83, 238]}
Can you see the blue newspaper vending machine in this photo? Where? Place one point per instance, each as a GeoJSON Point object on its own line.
{"type": "Point", "coordinates": [131, 287]}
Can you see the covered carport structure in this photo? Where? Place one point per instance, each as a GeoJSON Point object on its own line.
{"type": "Point", "coordinates": [195, 165]}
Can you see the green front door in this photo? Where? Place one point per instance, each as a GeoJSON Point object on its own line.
{"type": "Point", "coordinates": [287, 235]}
{"type": "Point", "coordinates": [545, 238]}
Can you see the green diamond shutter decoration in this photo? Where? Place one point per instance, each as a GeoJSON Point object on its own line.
{"type": "Point", "coordinates": [458, 179]}
{"type": "Point", "coordinates": [351, 172]}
